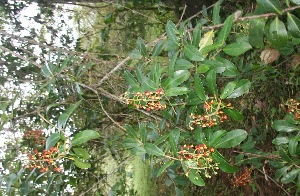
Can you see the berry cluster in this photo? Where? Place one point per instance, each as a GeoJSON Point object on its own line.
{"type": "Point", "coordinates": [147, 100]}
{"type": "Point", "coordinates": [294, 108]}
{"type": "Point", "coordinates": [212, 114]}
{"type": "Point", "coordinates": [243, 179]}
{"type": "Point", "coordinates": [198, 157]}
{"type": "Point", "coordinates": [45, 160]}
{"type": "Point", "coordinates": [36, 135]}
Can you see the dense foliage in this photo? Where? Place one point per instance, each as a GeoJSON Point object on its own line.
{"type": "Point", "coordinates": [213, 99]}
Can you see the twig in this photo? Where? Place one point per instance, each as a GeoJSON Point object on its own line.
{"type": "Point", "coordinates": [19, 56]}
{"type": "Point", "coordinates": [113, 171]}
{"type": "Point", "coordinates": [183, 12]}
{"type": "Point", "coordinates": [274, 182]}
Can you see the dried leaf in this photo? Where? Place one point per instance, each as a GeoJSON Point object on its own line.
{"type": "Point", "coordinates": [295, 60]}
{"type": "Point", "coordinates": [269, 55]}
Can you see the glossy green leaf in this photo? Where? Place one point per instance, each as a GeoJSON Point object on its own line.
{"type": "Point", "coordinates": [164, 167]}
{"type": "Point", "coordinates": [284, 155]}
{"type": "Point", "coordinates": [297, 2]}
{"type": "Point", "coordinates": [171, 32]}
{"type": "Point", "coordinates": [131, 143]}
{"type": "Point", "coordinates": [236, 49]}
{"type": "Point", "coordinates": [225, 31]}
{"type": "Point", "coordinates": [173, 140]}
{"type": "Point", "coordinates": [195, 178]}
{"type": "Point", "coordinates": [148, 84]}
{"type": "Point", "coordinates": [84, 136]}
{"type": "Point", "coordinates": [203, 68]}
{"type": "Point", "coordinates": [81, 152]}
{"type": "Point", "coordinates": [207, 40]}
{"type": "Point", "coordinates": [176, 91]}
{"type": "Point", "coordinates": [216, 13]}
{"type": "Point", "coordinates": [172, 65]}
{"type": "Point", "coordinates": [228, 90]}
{"type": "Point", "coordinates": [199, 89]}
{"type": "Point", "coordinates": [280, 172]}
{"type": "Point", "coordinates": [231, 70]}
{"type": "Point", "coordinates": [280, 140]}
{"type": "Point", "coordinates": [135, 54]}
{"type": "Point", "coordinates": [52, 140]}
{"type": "Point", "coordinates": [234, 114]}
{"type": "Point", "coordinates": [241, 88]}
{"type": "Point", "coordinates": [139, 150]}
{"type": "Point", "coordinates": [278, 36]}
{"type": "Point", "coordinates": [216, 137]}
{"type": "Point", "coordinates": [193, 99]}
{"type": "Point", "coordinates": [192, 53]}
{"type": "Point", "coordinates": [232, 138]}
{"type": "Point", "coordinates": [157, 48]}
{"type": "Point", "coordinates": [284, 126]}
{"type": "Point", "coordinates": [182, 64]}
{"type": "Point", "coordinates": [211, 78]}
{"type": "Point", "coordinates": [197, 35]}
{"type": "Point", "coordinates": [161, 139]}
{"type": "Point", "coordinates": [131, 132]}
{"type": "Point", "coordinates": [152, 149]}
{"type": "Point", "coordinates": [63, 118]}
{"type": "Point", "coordinates": [224, 165]}
{"type": "Point", "coordinates": [293, 25]}
{"type": "Point", "coordinates": [82, 165]}
{"type": "Point", "coordinates": [140, 45]}
{"type": "Point", "coordinates": [290, 176]}
{"type": "Point", "coordinates": [256, 32]}
{"type": "Point", "coordinates": [130, 79]}
{"type": "Point", "coordinates": [179, 77]}
{"type": "Point", "coordinates": [12, 178]}
{"type": "Point", "coordinates": [270, 5]}
{"type": "Point", "coordinates": [293, 144]}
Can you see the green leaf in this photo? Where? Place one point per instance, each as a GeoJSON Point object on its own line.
{"type": "Point", "coordinates": [290, 176]}
{"type": "Point", "coordinates": [224, 165]}
{"type": "Point", "coordinates": [216, 137]}
{"type": "Point", "coordinates": [131, 143]}
{"type": "Point", "coordinates": [135, 54]}
{"type": "Point", "coordinates": [256, 32]}
{"type": "Point", "coordinates": [230, 69]}
{"type": "Point", "coordinates": [284, 126]}
{"type": "Point", "coordinates": [63, 118]}
{"type": "Point", "coordinates": [197, 35]}
{"type": "Point", "coordinates": [157, 48]}
{"type": "Point", "coordinates": [84, 136]}
{"type": "Point", "coordinates": [199, 89]}
{"type": "Point", "coordinates": [297, 2]}
{"type": "Point", "coordinates": [207, 40]}
{"type": "Point", "coordinates": [193, 99]}
{"type": "Point", "coordinates": [82, 165]}
{"type": "Point", "coordinates": [271, 5]}
{"type": "Point", "coordinates": [278, 36]}
{"type": "Point", "coordinates": [12, 178]}
{"type": "Point", "coordinates": [172, 65]}
{"type": "Point", "coordinates": [178, 192]}
{"type": "Point", "coordinates": [152, 149]}
{"type": "Point", "coordinates": [173, 139]}
{"type": "Point", "coordinates": [164, 167]}
{"type": "Point", "coordinates": [131, 132]}
{"type": "Point", "coordinates": [241, 88]}
{"type": "Point", "coordinates": [81, 152]}
{"type": "Point", "coordinates": [293, 144]}
{"type": "Point", "coordinates": [232, 138]}
{"type": "Point", "coordinates": [130, 79]}
{"type": "Point", "coordinates": [52, 140]}
{"type": "Point", "coordinates": [228, 90]}
{"type": "Point", "coordinates": [175, 91]}
{"type": "Point", "coordinates": [203, 68]}
{"type": "Point", "coordinates": [140, 45]}
{"type": "Point", "coordinates": [179, 77]}
{"type": "Point", "coordinates": [143, 131]}
{"type": "Point", "coordinates": [182, 64]}
{"type": "Point", "coordinates": [236, 49]}
{"type": "Point", "coordinates": [171, 32]}
{"type": "Point", "coordinates": [148, 84]}
{"type": "Point", "coordinates": [216, 13]}
{"type": "Point", "coordinates": [195, 178]}
{"type": "Point", "coordinates": [280, 140]}
{"type": "Point", "coordinates": [192, 53]}
{"type": "Point", "coordinates": [161, 139]}
{"type": "Point", "coordinates": [280, 172]}
{"type": "Point", "coordinates": [139, 150]}
{"type": "Point", "coordinates": [211, 78]}
{"type": "Point", "coordinates": [284, 155]}
{"type": "Point", "coordinates": [293, 25]}
{"type": "Point", "coordinates": [234, 114]}
{"type": "Point", "coordinates": [225, 31]}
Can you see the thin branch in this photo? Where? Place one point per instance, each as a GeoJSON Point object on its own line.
{"type": "Point", "coordinates": [19, 56]}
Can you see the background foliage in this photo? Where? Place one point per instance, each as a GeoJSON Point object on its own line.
{"type": "Point", "coordinates": [202, 99]}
